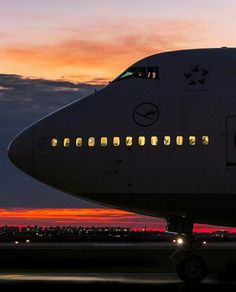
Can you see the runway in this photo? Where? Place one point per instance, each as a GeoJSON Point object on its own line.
{"type": "Point", "coordinates": [102, 257]}
{"type": "Point", "coordinates": [43, 266]}
{"type": "Point", "coordinates": [114, 282]}
{"type": "Point", "coordinates": [126, 278]}
{"type": "Point", "coordinates": [109, 245]}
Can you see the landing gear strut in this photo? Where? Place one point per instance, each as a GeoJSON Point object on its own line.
{"type": "Point", "coordinates": [190, 268]}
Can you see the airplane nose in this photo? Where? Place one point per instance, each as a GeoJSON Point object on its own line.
{"type": "Point", "coordinates": [20, 151]}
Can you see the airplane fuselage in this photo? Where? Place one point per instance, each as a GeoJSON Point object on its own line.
{"type": "Point", "coordinates": [159, 140]}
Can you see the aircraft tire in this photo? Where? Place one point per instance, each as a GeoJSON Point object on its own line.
{"type": "Point", "coordinates": [192, 269]}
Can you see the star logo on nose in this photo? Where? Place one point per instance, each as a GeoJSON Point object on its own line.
{"type": "Point", "coordinates": [196, 76]}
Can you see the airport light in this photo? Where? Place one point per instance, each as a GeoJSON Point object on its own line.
{"type": "Point", "coordinates": [16, 242]}
{"type": "Point", "coordinates": [27, 241]}
{"type": "Point", "coordinates": [204, 242]}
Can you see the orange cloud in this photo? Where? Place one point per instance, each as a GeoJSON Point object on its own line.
{"type": "Point", "coordinates": [60, 213]}
{"type": "Point", "coordinates": [100, 53]}
{"type": "Point", "coordinates": [82, 217]}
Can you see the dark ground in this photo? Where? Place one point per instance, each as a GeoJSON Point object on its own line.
{"type": "Point", "coordinates": [33, 267]}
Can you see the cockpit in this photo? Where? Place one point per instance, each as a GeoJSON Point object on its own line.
{"type": "Point", "coordinates": [140, 72]}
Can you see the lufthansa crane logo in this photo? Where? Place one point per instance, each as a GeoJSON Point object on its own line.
{"type": "Point", "coordinates": [145, 114]}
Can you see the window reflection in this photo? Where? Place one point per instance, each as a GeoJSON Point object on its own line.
{"type": "Point", "coordinates": [154, 140]}
{"type": "Point", "coordinates": [66, 142]}
{"type": "Point", "coordinates": [116, 141]}
{"type": "Point", "coordinates": [79, 142]}
{"type": "Point", "coordinates": [104, 141]}
{"type": "Point", "coordinates": [192, 140]}
{"type": "Point", "coordinates": [141, 140]}
{"type": "Point", "coordinates": [205, 140]}
{"type": "Point", "coordinates": [54, 142]}
{"type": "Point", "coordinates": [179, 140]}
{"type": "Point", "coordinates": [129, 141]}
{"type": "Point", "coordinates": [91, 141]}
{"type": "Point", "coordinates": [167, 140]}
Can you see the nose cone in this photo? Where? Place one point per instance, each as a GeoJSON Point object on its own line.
{"type": "Point", "coordinates": [20, 151]}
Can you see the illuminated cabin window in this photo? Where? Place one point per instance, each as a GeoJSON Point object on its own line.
{"type": "Point", "coordinates": [154, 140]}
{"type": "Point", "coordinates": [66, 142]}
{"type": "Point", "coordinates": [141, 140]}
{"type": "Point", "coordinates": [116, 141]}
{"type": "Point", "coordinates": [54, 142]}
{"type": "Point", "coordinates": [91, 141]}
{"type": "Point", "coordinates": [79, 142]}
{"type": "Point", "coordinates": [192, 140]}
{"type": "Point", "coordinates": [205, 140]}
{"type": "Point", "coordinates": [179, 140]}
{"type": "Point", "coordinates": [129, 141]}
{"type": "Point", "coordinates": [167, 140]}
{"type": "Point", "coordinates": [103, 141]}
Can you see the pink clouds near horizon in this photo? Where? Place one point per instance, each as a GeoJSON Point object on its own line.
{"type": "Point", "coordinates": [88, 217]}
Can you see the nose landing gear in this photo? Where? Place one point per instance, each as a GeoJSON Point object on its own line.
{"type": "Point", "coordinates": [190, 268]}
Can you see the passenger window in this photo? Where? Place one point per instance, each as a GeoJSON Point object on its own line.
{"type": "Point", "coordinates": [167, 140]}
{"type": "Point", "coordinates": [141, 140]}
{"type": "Point", "coordinates": [104, 141]}
{"type": "Point", "coordinates": [91, 142]}
{"type": "Point", "coordinates": [154, 140]}
{"type": "Point", "coordinates": [205, 140]}
{"type": "Point", "coordinates": [179, 140]}
{"type": "Point", "coordinates": [54, 142]}
{"type": "Point", "coordinates": [192, 140]}
{"type": "Point", "coordinates": [79, 142]}
{"type": "Point", "coordinates": [116, 141]}
{"type": "Point", "coordinates": [153, 73]}
{"type": "Point", "coordinates": [129, 141]}
{"type": "Point", "coordinates": [66, 142]}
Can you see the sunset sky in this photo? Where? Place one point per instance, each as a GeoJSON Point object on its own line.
{"type": "Point", "coordinates": [53, 52]}
{"type": "Point", "coordinates": [93, 41]}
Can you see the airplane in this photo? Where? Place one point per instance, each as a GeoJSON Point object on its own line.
{"type": "Point", "coordinates": [158, 140]}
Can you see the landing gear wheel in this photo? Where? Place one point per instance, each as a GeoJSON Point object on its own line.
{"type": "Point", "coordinates": [192, 269]}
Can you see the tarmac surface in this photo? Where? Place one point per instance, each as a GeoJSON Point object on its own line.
{"type": "Point", "coordinates": [111, 266]}
{"type": "Point", "coordinates": [110, 245]}
{"type": "Point", "coordinates": [107, 282]}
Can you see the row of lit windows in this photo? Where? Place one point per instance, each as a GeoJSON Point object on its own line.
{"type": "Point", "coordinates": [129, 141]}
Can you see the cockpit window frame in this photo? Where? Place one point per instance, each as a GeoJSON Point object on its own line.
{"type": "Point", "coordinates": [140, 72]}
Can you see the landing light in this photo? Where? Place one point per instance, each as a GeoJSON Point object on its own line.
{"type": "Point", "coordinates": [16, 242]}
{"type": "Point", "coordinates": [180, 241]}
{"type": "Point", "coordinates": [27, 241]}
{"type": "Point", "coordinates": [204, 242]}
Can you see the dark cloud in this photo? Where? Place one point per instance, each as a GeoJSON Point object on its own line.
{"type": "Point", "coordinates": [23, 101]}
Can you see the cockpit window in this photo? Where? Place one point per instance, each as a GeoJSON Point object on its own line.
{"type": "Point", "coordinates": [140, 72]}
{"type": "Point", "coordinates": [152, 73]}
{"type": "Point", "coordinates": [134, 72]}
